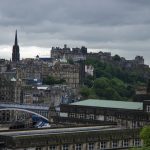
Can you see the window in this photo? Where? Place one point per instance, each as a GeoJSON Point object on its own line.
{"type": "Point", "coordinates": [125, 143]}
{"type": "Point", "coordinates": [109, 118]}
{"type": "Point", "coordinates": [72, 115]}
{"type": "Point", "coordinates": [91, 146]}
{"type": "Point", "coordinates": [148, 108]}
{"type": "Point", "coordinates": [90, 116]}
{"type": "Point", "coordinates": [114, 144]}
{"type": "Point", "coordinates": [65, 147]}
{"type": "Point", "coordinates": [78, 147]}
{"type": "Point", "coordinates": [134, 124]}
{"type": "Point", "coordinates": [52, 147]}
{"type": "Point", "coordinates": [103, 145]}
{"type": "Point", "coordinates": [136, 142]}
{"type": "Point", "coordinates": [81, 116]}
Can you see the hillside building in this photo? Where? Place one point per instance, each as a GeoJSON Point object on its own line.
{"type": "Point", "coordinates": [69, 72]}
{"type": "Point", "coordinates": [75, 54]}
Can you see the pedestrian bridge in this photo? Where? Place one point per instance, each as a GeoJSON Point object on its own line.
{"type": "Point", "coordinates": [39, 110]}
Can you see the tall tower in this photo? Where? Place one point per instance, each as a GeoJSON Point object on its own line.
{"type": "Point", "coordinates": [15, 50]}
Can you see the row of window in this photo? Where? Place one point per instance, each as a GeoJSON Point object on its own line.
{"type": "Point", "coordinates": [108, 118]}
{"type": "Point", "coordinates": [102, 145]}
{"type": "Point", "coordinates": [89, 116]}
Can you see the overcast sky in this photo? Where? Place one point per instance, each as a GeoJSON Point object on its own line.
{"type": "Point", "coordinates": [116, 26]}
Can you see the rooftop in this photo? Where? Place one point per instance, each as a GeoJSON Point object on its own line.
{"type": "Point", "coordinates": [58, 131]}
{"type": "Point", "coordinates": [110, 104]}
{"type": "Point", "coordinates": [24, 106]}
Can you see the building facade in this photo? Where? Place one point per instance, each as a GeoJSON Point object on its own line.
{"type": "Point", "coordinates": [52, 95]}
{"type": "Point", "coordinates": [125, 114]}
{"type": "Point", "coordinates": [10, 92]}
{"type": "Point", "coordinates": [77, 138]}
{"type": "Point", "coordinates": [9, 89]}
{"type": "Point", "coordinates": [75, 54]}
{"type": "Point", "coordinates": [69, 72]}
{"type": "Point", "coordinates": [33, 69]}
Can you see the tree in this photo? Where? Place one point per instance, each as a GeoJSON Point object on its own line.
{"type": "Point", "coordinates": [116, 58]}
{"type": "Point", "coordinates": [111, 93]}
{"type": "Point", "coordinates": [70, 61]}
{"type": "Point", "coordinates": [145, 135]}
{"type": "Point", "coordinates": [85, 92]}
{"type": "Point", "coordinates": [101, 83]}
{"type": "Point", "coordinates": [113, 76]}
{"type": "Point", "coordinates": [88, 81]}
{"type": "Point", "coordinates": [50, 80]}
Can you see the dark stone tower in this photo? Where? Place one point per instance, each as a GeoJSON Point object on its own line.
{"type": "Point", "coordinates": [15, 51]}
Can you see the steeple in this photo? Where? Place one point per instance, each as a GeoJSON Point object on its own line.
{"type": "Point", "coordinates": [15, 50]}
{"type": "Point", "coordinates": [16, 40]}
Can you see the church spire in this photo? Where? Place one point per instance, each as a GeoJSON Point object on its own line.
{"type": "Point", "coordinates": [15, 50]}
{"type": "Point", "coordinates": [16, 40]}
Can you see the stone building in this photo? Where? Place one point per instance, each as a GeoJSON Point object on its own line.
{"type": "Point", "coordinates": [9, 93]}
{"type": "Point", "coordinates": [73, 74]}
{"type": "Point", "coordinates": [6, 116]}
{"type": "Point", "coordinates": [69, 72]}
{"type": "Point", "coordinates": [9, 89]}
{"type": "Point", "coordinates": [71, 138]}
{"type": "Point", "coordinates": [52, 95]}
{"type": "Point", "coordinates": [89, 70]}
{"type": "Point", "coordinates": [59, 94]}
{"type": "Point", "coordinates": [74, 54]}
{"type": "Point", "coordinates": [136, 63]}
{"type": "Point", "coordinates": [142, 93]}
{"type": "Point", "coordinates": [33, 69]}
{"type": "Point", "coordinates": [82, 54]}
{"type": "Point", "coordinates": [5, 66]}
{"type": "Point", "coordinates": [139, 60]}
{"type": "Point", "coordinates": [125, 114]}
{"type": "Point", "coordinates": [102, 56]}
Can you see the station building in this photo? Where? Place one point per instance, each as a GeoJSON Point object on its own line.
{"type": "Point", "coordinates": [71, 138]}
{"type": "Point", "coordinates": [125, 114]}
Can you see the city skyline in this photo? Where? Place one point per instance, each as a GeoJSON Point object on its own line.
{"type": "Point", "coordinates": [120, 27]}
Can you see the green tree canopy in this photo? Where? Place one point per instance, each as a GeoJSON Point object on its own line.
{"type": "Point", "coordinates": [101, 83]}
{"type": "Point", "coordinates": [145, 135]}
{"type": "Point", "coordinates": [110, 76]}
{"type": "Point", "coordinates": [85, 92]}
{"type": "Point", "coordinates": [50, 80]}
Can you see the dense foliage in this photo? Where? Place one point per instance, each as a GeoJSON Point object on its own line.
{"type": "Point", "coordinates": [51, 81]}
{"type": "Point", "coordinates": [111, 81]}
{"type": "Point", "coordinates": [145, 136]}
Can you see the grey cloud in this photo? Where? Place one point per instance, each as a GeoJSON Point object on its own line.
{"type": "Point", "coordinates": [108, 24]}
{"type": "Point", "coordinates": [105, 12]}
